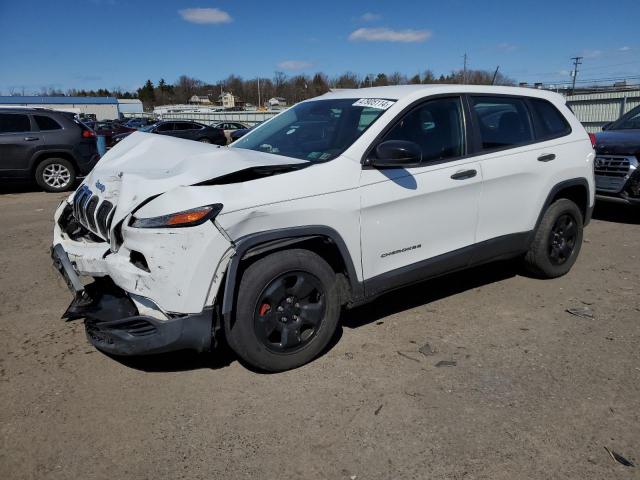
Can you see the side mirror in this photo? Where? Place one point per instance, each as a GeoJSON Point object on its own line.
{"type": "Point", "coordinates": [397, 154]}
{"type": "Point", "coordinates": [607, 126]}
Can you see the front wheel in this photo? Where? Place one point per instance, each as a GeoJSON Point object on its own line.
{"type": "Point", "coordinates": [287, 310]}
{"type": "Point", "coordinates": [557, 240]}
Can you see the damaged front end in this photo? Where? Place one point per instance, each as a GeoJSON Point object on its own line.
{"type": "Point", "coordinates": [118, 325]}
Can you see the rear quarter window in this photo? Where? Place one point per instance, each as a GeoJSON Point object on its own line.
{"type": "Point", "coordinates": [549, 122]}
{"type": "Point", "coordinates": [46, 123]}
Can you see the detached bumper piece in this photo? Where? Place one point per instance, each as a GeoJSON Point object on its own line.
{"type": "Point", "coordinates": [114, 325]}
{"type": "Point", "coordinates": [143, 335]}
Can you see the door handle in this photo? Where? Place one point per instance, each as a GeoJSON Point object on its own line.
{"type": "Point", "coordinates": [546, 157]}
{"type": "Point", "coordinates": [464, 174]}
{"type": "Point", "coordinates": [30, 139]}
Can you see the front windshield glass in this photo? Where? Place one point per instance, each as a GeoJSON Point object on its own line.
{"type": "Point", "coordinates": [632, 122]}
{"type": "Point", "coordinates": [318, 130]}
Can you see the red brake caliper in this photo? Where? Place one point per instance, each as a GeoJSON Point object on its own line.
{"type": "Point", "coordinates": [264, 308]}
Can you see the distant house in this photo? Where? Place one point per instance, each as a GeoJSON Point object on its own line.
{"type": "Point", "coordinates": [200, 100]}
{"type": "Point", "coordinates": [228, 100]}
{"type": "Point", "coordinates": [277, 102]}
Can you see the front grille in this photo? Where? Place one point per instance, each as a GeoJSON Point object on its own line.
{"type": "Point", "coordinates": [102, 217]}
{"type": "Point", "coordinates": [611, 172]}
{"type": "Point", "coordinates": [91, 213]}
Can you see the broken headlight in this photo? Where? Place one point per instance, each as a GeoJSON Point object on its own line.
{"type": "Point", "coordinates": [186, 218]}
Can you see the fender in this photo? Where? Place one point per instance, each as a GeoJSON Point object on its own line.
{"type": "Point", "coordinates": [573, 182]}
{"type": "Point", "coordinates": [51, 152]}
{"type": "Point", "coordinates": [269, 240]}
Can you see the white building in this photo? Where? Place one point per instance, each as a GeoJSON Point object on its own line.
{"type": "Point", "coordinates": [130, 106]}
{"type": "Point", "coordinates": [103, 108]}
{"type": "Point", "coordinates": [200, 100]}
{"type": "Point", "coordinates": [227, 100]}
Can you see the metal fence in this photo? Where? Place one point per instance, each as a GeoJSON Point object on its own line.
{"type": "Point", "coordinates": [247, 117]}
{"type": "Point", "coordinates": [595, 109]}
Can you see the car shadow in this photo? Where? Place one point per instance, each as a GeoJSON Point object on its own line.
{"type": "Point", "coordinates": [617, 212]}
{"type": "Point", "coordinates": [180, 361]}
{"type": "Point", "coordinates": [385, 305]}
{"type": "Point", "coordinates": [429, 291]}
{"type": "Point", "coordinates": [18, 187]}
{"type": "Point", "coordinates": [26, 187]}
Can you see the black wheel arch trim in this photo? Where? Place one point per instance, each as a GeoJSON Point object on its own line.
{"type": "Point", "coordinates": [269, 240]}
{"type": "Point", "coordinates": [557, 188]}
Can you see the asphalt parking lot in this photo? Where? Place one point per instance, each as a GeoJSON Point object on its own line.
{"type": "Point", "coordinates": [527, 390]}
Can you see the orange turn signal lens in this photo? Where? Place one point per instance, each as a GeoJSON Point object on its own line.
{"type": "Point", "coordinates": [188, 217]}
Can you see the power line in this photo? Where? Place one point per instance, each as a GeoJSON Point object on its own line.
{"type": "Point", "coordinates": [528, 74]}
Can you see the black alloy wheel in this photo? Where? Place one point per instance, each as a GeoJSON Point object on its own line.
{"type": "Point", "coordinates": [289, 311]}
{"type": "Point", "coordinates": [562, 240]}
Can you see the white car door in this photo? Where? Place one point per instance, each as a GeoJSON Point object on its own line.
{"type": "Point", "coordinates": [516, 169]}
{"type": "Point", "coordinates": [411, 218]}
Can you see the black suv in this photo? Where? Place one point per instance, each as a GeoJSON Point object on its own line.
{"type": "Point", "coordinates": [49, 147]}
{"type": "Point", "coordinates": [617, 164]}
{"type": "Point", "coordinates": [183, 129]}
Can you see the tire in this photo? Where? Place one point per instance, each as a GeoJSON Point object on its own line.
{"type": "Point", "coordinates": [287, 310]}
{"type": "Point", "coordinates": [204, 140]}
{"type": "Point", "coordinates": [55, 175]}
{"type": "Point", "coordinates": [557, 241]}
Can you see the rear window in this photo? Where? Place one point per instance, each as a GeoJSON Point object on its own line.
{"type": "Point", "coordinates": [503, 121]}
{"type": "Point", "coordinates": [550, 123]}
{"type": "Point", "coordinates": [46, 123]}
{"type": "Point", "coordinates": [14, 123]}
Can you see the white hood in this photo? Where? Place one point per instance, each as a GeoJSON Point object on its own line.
{"type": "Point", "coordinates": [145, 164]}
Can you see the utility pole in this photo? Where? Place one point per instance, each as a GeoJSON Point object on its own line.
{"type": "Point", "coordinates": [464, 69]}
{"type": "Point", "coordinates": [259, 104]}
{"type": "Point", "coordinates": [576, 62]}
{"type": "Point", "coordinates": [495, 74]}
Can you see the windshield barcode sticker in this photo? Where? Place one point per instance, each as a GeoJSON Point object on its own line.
{"type": "Point", "coordinates": [378, 103]}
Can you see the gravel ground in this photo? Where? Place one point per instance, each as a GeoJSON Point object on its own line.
{"type": "Point", "coordinates": [535, 392]}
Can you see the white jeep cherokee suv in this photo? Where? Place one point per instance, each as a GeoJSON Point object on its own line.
{"type": "Point", "coordinates": [329, 204]}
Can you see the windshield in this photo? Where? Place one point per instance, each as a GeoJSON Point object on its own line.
{"type": "Point", "coordinates": [630, 121]}
{"type": "Point", "coordinates": [317, 131]}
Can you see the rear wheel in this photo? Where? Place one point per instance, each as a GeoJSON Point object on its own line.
{"type": "Point", "coordinates": [557, 240]}
{"type": "Point", "coordinates": [287, 310]}
{"type": "Point", "coordinates": [55, 175]}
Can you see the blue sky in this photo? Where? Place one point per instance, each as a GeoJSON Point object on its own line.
{"type": "Point", "coordinates": [121, 43]}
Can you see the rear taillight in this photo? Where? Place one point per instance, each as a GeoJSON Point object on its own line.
{"type": "Point", "coordinates": [592, 137]}
{"type": "Point", "coordinates": [88, 134]}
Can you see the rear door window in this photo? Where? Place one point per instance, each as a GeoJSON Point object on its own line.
{"type": "Point", "coordinates": [14, 123]}
{"type": "Point", "coordinates": [46, 123]}
{"type": "Point", "coordinates": [503, 122]}
{"type": "Point", "coordinates": [550, 123]}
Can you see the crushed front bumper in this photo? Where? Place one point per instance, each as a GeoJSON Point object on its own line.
{"type": "Point", "coordinates": [115, 325]}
